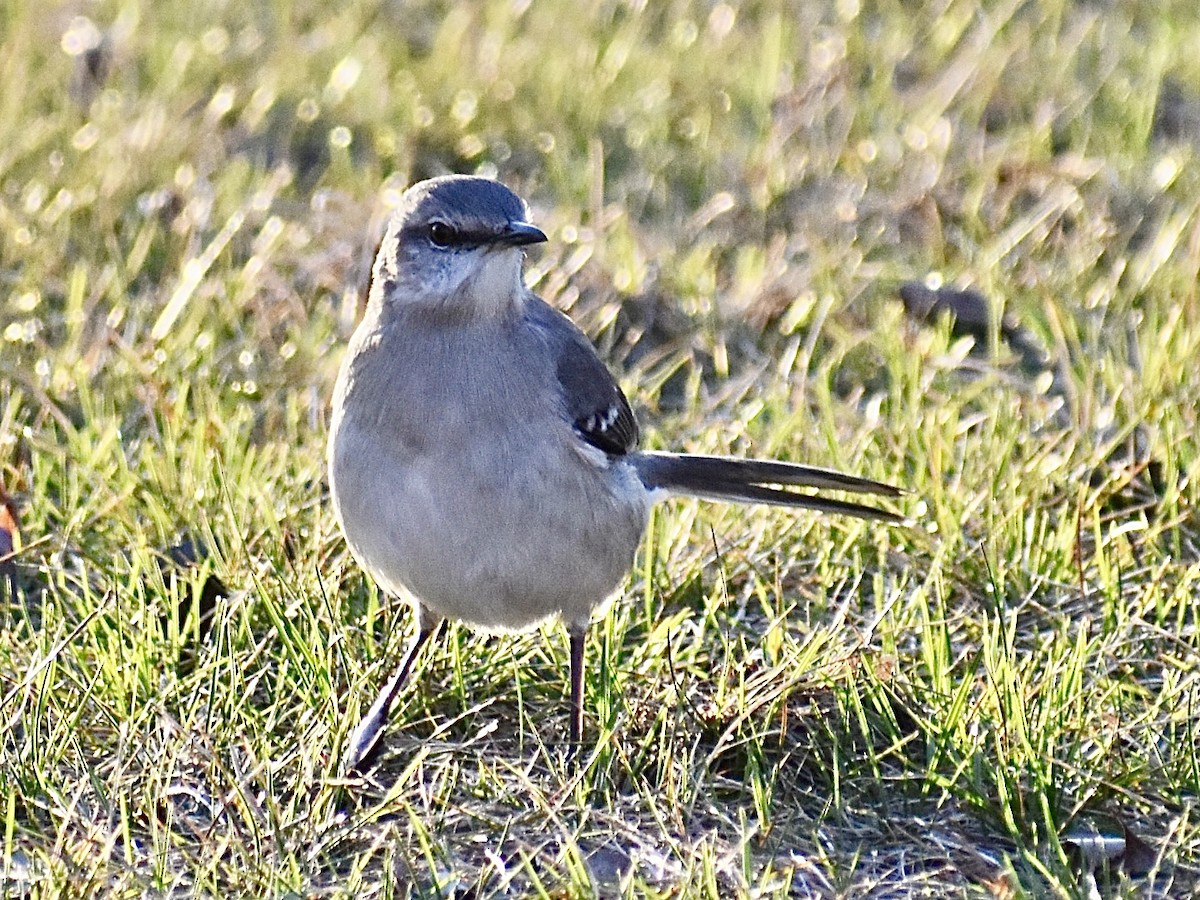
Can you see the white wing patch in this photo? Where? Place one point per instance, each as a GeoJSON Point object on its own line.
{"type": "Point", "coordinates": [599, 423]}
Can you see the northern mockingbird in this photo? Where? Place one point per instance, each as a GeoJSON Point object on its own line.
{"type": "Point", "coordinates": [482, 459]}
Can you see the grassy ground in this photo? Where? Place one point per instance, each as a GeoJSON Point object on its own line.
{"type": "Point", "coordinates": [988, 703]}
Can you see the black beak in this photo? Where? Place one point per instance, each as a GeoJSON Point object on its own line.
{"type": "Point", "coordinates": [518, 234]}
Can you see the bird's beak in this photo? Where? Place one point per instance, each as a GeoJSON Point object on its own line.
{"type": "Point", "coordinates": [518, 234]}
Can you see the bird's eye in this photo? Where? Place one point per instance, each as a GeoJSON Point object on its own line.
{"type": "Point", "coordinates": [441, 234]}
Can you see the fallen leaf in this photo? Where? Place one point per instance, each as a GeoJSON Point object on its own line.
{"type": "Point", "coordinates": [971, 315]}
{"type": "Point", "coordinates": [10, 536]}
{"type": "Point", "coordinates": [175, 562]}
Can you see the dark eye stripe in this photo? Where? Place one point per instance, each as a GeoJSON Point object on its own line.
{"type": "Point", "coordinates": [453, 237]}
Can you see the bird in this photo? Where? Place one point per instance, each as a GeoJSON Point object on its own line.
{"type": "Point", "coordinates": [483, 462]}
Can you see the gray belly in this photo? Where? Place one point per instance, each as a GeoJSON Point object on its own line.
{"type": "Point", "coordinates": [493, 549]}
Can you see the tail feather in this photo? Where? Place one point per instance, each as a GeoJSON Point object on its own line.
{"type": "Point", "coordinates": [760, 481]}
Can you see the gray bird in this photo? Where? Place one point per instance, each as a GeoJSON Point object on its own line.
{"type": "Point", "coordinates": [482, 460]}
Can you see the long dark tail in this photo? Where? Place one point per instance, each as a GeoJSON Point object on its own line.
{"type": "Point", "coordinates": [759, 481]}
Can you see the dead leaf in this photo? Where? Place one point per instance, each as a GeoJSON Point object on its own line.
{"type": "Point", "coordinates": [10, 539]}
{"type": "Point", "coordinates": [195, 607]}
{"type": "Point", "coordinates": [972, 315]}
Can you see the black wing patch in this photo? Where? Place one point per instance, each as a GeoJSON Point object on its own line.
{"type": "Point", "coordinates": [611, 429]}
{"type": "Point", "coordinates": [593, 401]}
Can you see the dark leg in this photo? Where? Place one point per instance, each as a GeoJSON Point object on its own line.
{"type": "Point", "coordinates": [578, 634]}
{"type": "Point", "coordinates": [370, 727]}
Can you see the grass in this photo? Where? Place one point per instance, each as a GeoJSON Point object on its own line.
{"type": "Point", "coordinates": [779, 705]}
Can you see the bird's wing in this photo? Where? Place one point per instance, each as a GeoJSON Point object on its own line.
{"type": "Point", "coordinates": [592, 401]}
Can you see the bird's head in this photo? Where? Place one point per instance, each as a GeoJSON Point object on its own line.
{"type": "Point", "coordinates": [455, 246]}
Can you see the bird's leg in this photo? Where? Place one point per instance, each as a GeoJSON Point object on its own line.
{"type": "Point", "coordinates": [578, 634]}
{"type": "Point", "coordinates": [370, 727]}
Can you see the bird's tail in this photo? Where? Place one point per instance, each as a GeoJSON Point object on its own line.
{"type": "Point", "coordinates": [759, 481]}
